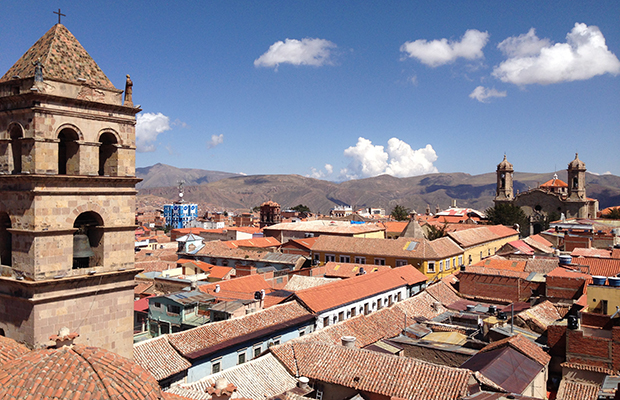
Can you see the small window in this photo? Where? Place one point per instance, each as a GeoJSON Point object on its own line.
{"type": "Point", "coordinates": [302, 332]}
{"type": "Point", "coordinates": [257, 350]}
{"type": "Point", "coordinates": [341, 316]}
{"type": "Point", "coordinates": [431, 266]}
{"type": "Point", "coordinates": [345, 259]}
{"type": "Point", "coordinates": [317, 258]}
{"type": "Point", "coordinates": [276, 341]}
{"type": "Point", "coordinates": [325, 322]}
{"type": "Point", "coordinates": [440, 265]}
{"type": "Point", "coordinates": [379, 261]}
{"type": "Point", "coordinates": [400, 263]}
{"type": "Point", "coordinates": [174, 309]}
{"type": "Point", "coordinates": [379, 304]}
{"type": "Point", "coordinates": [398, 297]}
{"type": "Point", "coordinates": [330, 257]}
{"type": "Point", "coordinates": [216, 366]}
{"type": "Point", "coordinates": [241, 357]}
{"type": "Point", "coordinates": [353, 312]}
{"type": "Point", "coordinates": [157, 305]}
{"type": "Point", "coordinates": [460, 260]}
{"type": "Point", "coordinates": [360, 260]}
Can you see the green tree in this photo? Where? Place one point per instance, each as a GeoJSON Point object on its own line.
{"type": "Point", "coordinates": [509, 215]}
{"type": "Point", "coordinates": [400, 213]}
{"type": "Point", "coordinates": [256, 209]}
{"type": "Point", "coordinates": [437, 232]}
{"type": "Point", "coordinates": [301, 209]}
{"type": "Point", "coordinates": [613, 213]}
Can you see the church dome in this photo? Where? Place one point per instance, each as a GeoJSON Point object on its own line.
{"type": "Point", "coordinates": [75, 371]}
{"type": "Point", "coordinates": [577, 163]}
{"type": "Point", "coordinates": [505, 165]}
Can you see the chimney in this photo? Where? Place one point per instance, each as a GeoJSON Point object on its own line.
{"type": "Point", "coordinates": [302, 383]}
{"type": "Point", "coordinates": [348, 341]}
{"type": "Point", "coordinates": [221, 389]}
{"type": "Point", "coordinates": [64, 337]}
{"type": "Point", "coordinates": [453, 203]}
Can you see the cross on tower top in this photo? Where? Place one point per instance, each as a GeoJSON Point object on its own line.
{"type": "Point", "coordinates": [59, 14]}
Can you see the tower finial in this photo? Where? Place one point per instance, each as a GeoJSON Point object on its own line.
{"type": "Point", "coordinates": [59, 15]}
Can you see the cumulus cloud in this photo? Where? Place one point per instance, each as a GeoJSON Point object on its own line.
{"type": "Point", "coordinates": [308, 51]}
{"type": "Point", "coordinates": [318, 174]}
{"type": "Point", "coordinates": [148, 126]}
{"type": "Point", "coordinates": [482, 94]}
{"type": "Point", "coordinates": [533, 60]}
{"type": "Point", "coordinates": [215, 140]}
{"type": "Point", "coordinates": [444, 51]}
{"type": "Point", "coordinates": [399, 160]}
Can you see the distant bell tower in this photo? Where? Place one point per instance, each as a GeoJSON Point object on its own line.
{"type": "Point", "coordinates": [504, 191]}
{"type": "Point", "coordinates": [67, 198]}
{"type": "Point", "coordinates": [577, 180]}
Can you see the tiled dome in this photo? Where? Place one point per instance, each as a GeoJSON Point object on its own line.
{"type": "Point", "coordinates": [74, 372]}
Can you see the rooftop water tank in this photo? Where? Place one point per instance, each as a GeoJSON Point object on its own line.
{"type": "Point", "coordinates": [599, 280]}
{"type": "Point", "coordinates": [565, 259]}
{"type": "Point", "coordinates": [614, 281]}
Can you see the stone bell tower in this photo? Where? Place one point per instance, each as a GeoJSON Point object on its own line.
{"type": "Point", "coordinates": [504, 191]}
{"type": "Point", "coordinates": [67, 198]}
{"type": "Point", "coordinates": [577, 180]}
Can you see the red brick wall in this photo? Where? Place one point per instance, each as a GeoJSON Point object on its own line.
{"type": "Point", "coordinates": [564, 288]}
{"type": "Point", "coordinates": [556, 340]}
{"type": "Point", "coordinates": [573, 242]}
{"type": "Point", "coordinates": [596, 320]}
{"type": "Point", "coordinates": [498, 287]}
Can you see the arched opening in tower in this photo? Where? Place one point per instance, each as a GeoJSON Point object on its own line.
{"type": "Point", "coordinates": [108, 155]}
{"type": "Point", "coordinates": [68, 160]}
{"type": "Point", "coordinates": [88, 241]}
{"type": "Point", "coordinates": [6, 242]}
{"type": "Point", "coordinates": [16, 133]}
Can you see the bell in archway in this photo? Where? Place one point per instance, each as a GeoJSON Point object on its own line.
{"type": "Point", "coordinates": [81, 246]}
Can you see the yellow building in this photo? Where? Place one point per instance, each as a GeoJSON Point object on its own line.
{"type": "Point", "coordinates": [434, 259]}
{"type": "Point", "coordinates": [603, 299]}
{"type": "Point", "coordinates": [482, 242]}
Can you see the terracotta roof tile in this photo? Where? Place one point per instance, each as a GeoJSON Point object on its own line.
{"type": "Point", "coordinates": [495, 272]}
{"type": "Point", "coordinates": [600, 266]}
{"type": "Point", "coordinates": [142, 287]}
{"type": "Point", "coordinates": [63, 58]}
{"type": "Point", "coordinates": [500, 263]}
{"type": "Point", "coordinates": [421, 305]}
{"type": "Point", "coordinates": [261, 242]}
{"type": "Point", "coordinates": [306, 243]}
{"type": "Point", "coordinates": [325, 227]}
{"type": "Point", "coordinates": [401, 247]}
{"type": "Point", "coordinates": [204, 339]}
{"type": "Point", "coordinates": [443, 292]}
{"type": "Point", "coordinates": [592, 252]}
{"type": "Point", "coordinates": [240, 288]}
{"type": "Point", "coordinates": [347, 270]}
{"type": "Point", "coordinates": [300, 282]}
{"type": "Point", "coordinates": [482, 234]}
{"type": "Point", "coordinates": [568, 273]}
{"type": "Point", "coordinates": [523, 345]}
{"type": "Point", "coordinates": [331, 295]}
{"type": "Point", "coordinates": [374, 372]}
{"type": "Point", "coordinates": [542, 265]}
{"type": "Point", "coordinates": [159, 358]}
{"type": "Point", "coordinates": [574, 390]}
{"type": "Point", "coordinates": [10, 349]}
{"type": "Point", "coordinates": [445, 247]}
{"type": "Point", "coordinates": [539, 317]}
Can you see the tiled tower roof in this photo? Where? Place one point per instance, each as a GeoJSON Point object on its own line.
{"type": "Point", "coordinates": [76, 372]}
{"type": "Point", "coordinates": [63, 58]}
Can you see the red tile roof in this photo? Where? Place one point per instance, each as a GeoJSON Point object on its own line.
{"type": "Point", "coordinates": [592, 252]}
{"type": "Point", "coordinates": [523, 345]}
{"type": "Point", "coordinates": [470, 269]}
{"type": "Point", "coordinates": [600, 266]}
{"type": "Point", "coordinates": [501, 263]}
{"type": "Point", "coordinates": [211, 337]}
{"type": "Point", "coordinates": [264, 242]}
{"type": "Point", "coordinates": [335, 294]}
{"type": "Point", "coordinates": [443, 292]}
{"type": "Point", "coordinates": [395, 226]}
{"type": "Point", "coordinates": [399, 248]}
{"type": "Point", "coordinates": [576, 390]}
{"type": "Point", "coordinates": [159, 357]}
{"type": "Point", "coordinates": [539, 317]}
{"type": "Point", "coordinates": [141, 305]}
{"type": "Point", "coordinates": [369, 371]}
{"type": "Point", "coordinates": [551, 183]}
{"type": "Point", "coordinates": [141, 287]}
{"type": "Point", "coordinates": [347, 270]}
{"type": "Point", "coordinates": [75, 372]}
{"type": "Point", "coordinates": [238, 288]}
{"type": "Point", "coordinates": [482, 234]}
{"type": "Point", "coordinates": [10, 350]}
{"type": "Point", "coordinates": [306, 243]}
{"type": "Point", "coordinates": [568, 273]}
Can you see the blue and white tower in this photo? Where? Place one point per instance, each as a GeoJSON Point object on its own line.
{"type": "Point", "coordinates": [179, 214]}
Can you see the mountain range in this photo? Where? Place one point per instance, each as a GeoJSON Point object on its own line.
{"type": "Point", "coordinates": [215, 190]}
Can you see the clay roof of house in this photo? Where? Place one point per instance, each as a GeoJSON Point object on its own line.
{"type": "Point", "coordinates": [331, 295]}
{"type": "Point", "coordinates": [539, 317]}
{"type": "Point", "coordinates": [482, 234]}
{"type": "Point", "coordinates": [300, 282]}
{"type": "Point", "coordinates": [326, 227]}
{"type": "Point", "coordinates": [521, 247]}
{"type": "Point", "coordinates": [169, 254]}
{"type": "Point", "coordinates": [591, 252]}
{"type": "Point", "coordinates": [347, 270]}
{"type": "Point", "coordinates": [219, 272]}
{"type": "Point", "coordinates": [577, 390]}
{"type": "Point", "coordinates": [395, 226]}
{"type": "Point", "coordinates": [400, 248]}
{"type": "Point", "coordinates": [538, 238]}
{"type": "Point", "coordinates": [600, 266]}
{"type": "Point", "coordinates": [501, 263]}
{"type": "Point", "coordinates": [155, 265]}
{"type": "Point", "coordinates": [369, 371]}
{"type": "Point", "coordinates": [262, 242]}
{"type": "Point", "coordinates": [142, 287]}
{"type": "Point", "coordinates": [10, 349]}
{"type": "Point", "coordinates": [553, 183]}
{"type": "Point", "coordinates": [206, 267]}
{"type": "Point", "coordinates": [443, 292]}
{"type": "Point", "coordinates": [75, 372]}
{"type": "Point", "coordinates": [306, 243]}
{"type": "Point", "coordinates": [214, 336]}
{"type": "Point", "coordinates": [159, 357]}
{"type": "Point", "coordinates": [63, 58]}
{"type": "Point", "coordinates": [261, 378]}
{"type": "Point", "coordinates": [421, 305]}
{"type": "Point", "coordinates": [542, 265]}
{"type": "Point", "coordinates": [445, 247]}
{"type": "Point", "coordinates": [470, 269]}
{"type": "Point", "coordinates": [615, 253]}
{"type": "Point", "coordinates": [239, 288]}
{"type": "Point", "coordinates": [523, 345]}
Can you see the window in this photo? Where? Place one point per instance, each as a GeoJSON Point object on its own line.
{"type": "Point", "coordinates": [216, 366]}
{"type": "Point", "coordinates": [469, 259]}
{"type": "Point", "coordinates": [389, 300]}
{"type": "Point", "coordinates": [481, 255]}
{"type": "Point", "coordinates": [341, 316]}
{"type": "Point", "coordinates": [400, 263]}
{"type": "Point", "coordinates": [379, 304]}
{"type": "Point", "coordinates": [325, 322]}
{"type": "Point", "coordinates": [460, 260]}
{"type": "Point", "coordinates": [399, 296]}
{"type": "Point", "coordinates": [345, 259]}
{"type": "Point", "coordinates": [431, 266]}
{"type": "Point", "coordinates": [157, 304]}
{"type": "Point", "coordinates": [174, 309]}
{"type": "Point", "coordinates": [302, 332]}
{"type": "Point", "coordinates": [360, 260]}
{"type": "Point", "coordinates": [366, 309]}
{"type": "Point", "coordinates": [241, 357]}
{"type": "Point", "coordinates": [454, 262]}
{"type": "Point", "coordinates": [379, 261]}
{"type": "Point", "coordinates": [257, 350]}
{"type": "Point", "coordinates": [440, 265]}
{"type": "Point", "coordinates": [353, 312]}
{"type": "Point", "coordinates": [317, 258]}
{"type": "Point", "coordinates": [330, 257]}
{"type": "Point", "coordinates": [276, 340]}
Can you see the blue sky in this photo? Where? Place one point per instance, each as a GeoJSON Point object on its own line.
{"type": "Point", "coordinates": [344, 89]}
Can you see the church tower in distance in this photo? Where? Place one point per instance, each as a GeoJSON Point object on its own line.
{"type": "Point", "coordinates": [67, 198]}
{"type": "Point", "coordinates": [504, 191]}
{"type": "Point", "coordinates": [577, 180]}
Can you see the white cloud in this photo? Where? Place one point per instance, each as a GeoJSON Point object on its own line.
{"type": "Point", "coordinates": [533, 60]}
{"type": "Point", "coordinates": [148, 126]}
{"type": "Point", "coordinates": [444, 51]}
{"type": "Point", "coordinates": [318, 174]}
{"type": "Point", "coordinates": [482, 94]}
{"type": "Point", "coordinates": [306, 51]}
{"type": "Point", "coordinates": [215, 140]}
{"type": "Point", "coordinates": [399, 160]}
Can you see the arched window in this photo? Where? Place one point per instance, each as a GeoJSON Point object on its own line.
{"type": "Point", "coordinates": [68, 162]}
{"type": "Point", "coordinates": [108, 156]}
{"type": "Point", "coordinates": [16, 133]}
{"type": "Point", "coordinates": [88, 241]}
{"type": "Point", "coordinates": [575, 183]}
{"type": "Point", "coordinates": [6, 249]}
